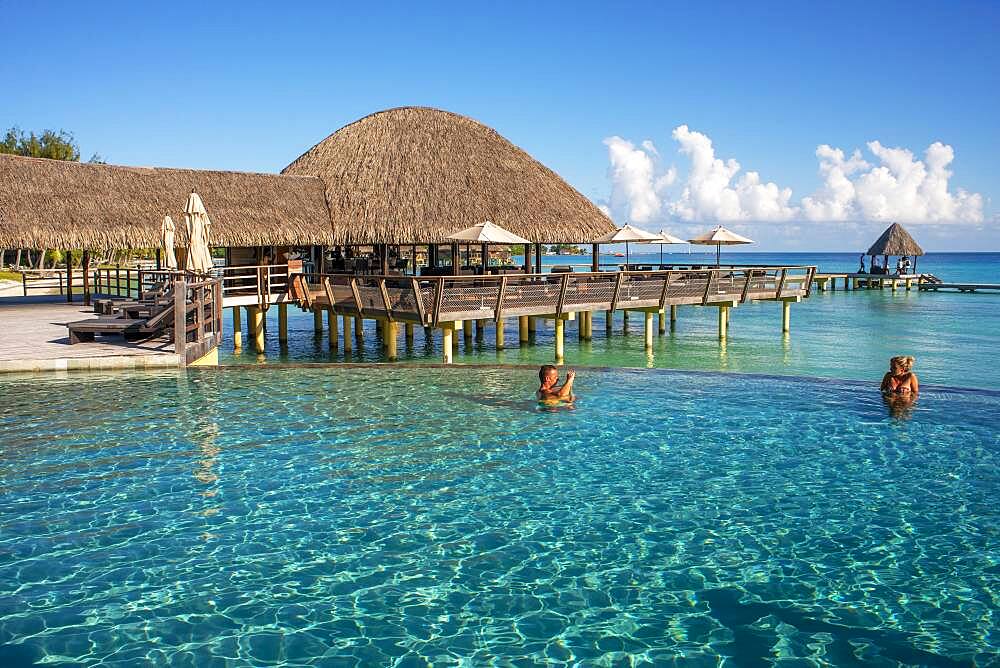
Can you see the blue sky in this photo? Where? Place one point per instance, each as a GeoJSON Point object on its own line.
{"type": "Point", "coordinates": [249, 86]}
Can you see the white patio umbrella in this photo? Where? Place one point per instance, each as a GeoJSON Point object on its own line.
{"type": "Point", "coordinates": [487, 233]}
{"type": "Point", "coordinates": [720, 237]}
{"type": "Point", "coordinates": [626, 234]}
{"type": "Point", "coordinates": [199, 226]}
{"type": "Point", "coordinates": [167, 243]}
{"type": "Point", "coordinates": [664, 238]}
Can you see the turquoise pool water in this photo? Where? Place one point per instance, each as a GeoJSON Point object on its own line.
{"type": "Point", "coordinates": [834, 334]}
{"type": "Point", "coordinates": [404, 516]}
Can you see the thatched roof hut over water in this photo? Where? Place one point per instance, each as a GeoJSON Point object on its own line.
{"type": "Point", "coordinates": [402, 176]}
{"type": "Point", "coordinates": [895, 241]}
{"type": "Point", "coordinates": [416, 175]}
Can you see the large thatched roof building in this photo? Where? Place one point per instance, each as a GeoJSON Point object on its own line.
{"type": "Point", "coordinates": [402, 176]}
{"type": "Point", "coordinates": [415, 174]}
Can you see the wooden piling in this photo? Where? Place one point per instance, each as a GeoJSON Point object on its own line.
{"type": "Point", "coordinates": [256, 326]}
{"type": "Point", "coordinates": [480, 329]}
{"type": "Point", "coordinates": [333, 329]}
{"type": "Point", "coordinates": [499, 335]}
{"type": "Point", "coordinates": [318, 321]}
{"type": "Point", "coordinates": [237, 328]}
{"type": "Point", "coordinates": [283, 324]}
{"type": "Point", "coordinates": [661, 322]}
{"type": "Point", "coordinates": [723, 321]}
{"type": "Point", "coordinates": [522, 329]}
{"type": "Point", "coordinates": [648, 329]}
{"type": "Point", "coordinates": [786, 316]}
{"type": "Point", "coordinates": [390, 330]}
{"type": "Point", "coordinates": [447, 334]}
{"type": "Point", "coordinates": [467, 331]}
{"type": "Point", "coordinates": [609, 321]}
{"type": "Point", "coordinates": [673, 317]}
{"type": "Point", "coordinates": [408, 327]}
{"type": "Point", "coordinates": [560, 327]}
{"type": "Point", "coordinates": [359, 328]}
{"type": "Point", "coordinates": [346, 319]}
{"type": "Point", "coordinates": [532, 325]}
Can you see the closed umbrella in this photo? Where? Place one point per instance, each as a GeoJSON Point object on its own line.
{"type": "Point", "coordinates": [199, 227]}
{"type": "Point", "coordinates": [720, 237]}
{"type": "Point", "coordinates": [626, 234]}
{"type": "Point", "coordinates": [664, 238]}
{"type": "Point", "coordinates": [167, 243]}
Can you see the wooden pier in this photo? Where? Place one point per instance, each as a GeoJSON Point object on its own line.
{"type": "Point", "coordinates": [961, 287]}
{"type": "Point", "coordinates": [453, 304]}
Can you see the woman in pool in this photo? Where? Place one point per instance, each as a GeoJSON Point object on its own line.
{"type": "Point", "coordinates": [548, 393]}
{"type": "Point", "coordinates": [901, 379]}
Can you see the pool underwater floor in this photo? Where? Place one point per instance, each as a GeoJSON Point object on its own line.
{"type": "Point", "coordinates": [360, 516]}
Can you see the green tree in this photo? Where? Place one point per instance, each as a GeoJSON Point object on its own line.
{"type": "Point", "coordinates": [49, 144]}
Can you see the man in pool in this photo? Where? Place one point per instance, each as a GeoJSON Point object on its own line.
{"type": "Point", "coordinates": [548, 379]}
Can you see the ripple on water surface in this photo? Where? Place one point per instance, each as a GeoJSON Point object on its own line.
{"type": "Point", "coordinates": [360, 516]}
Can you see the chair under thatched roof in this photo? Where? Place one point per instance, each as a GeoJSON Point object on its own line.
{"type": "Point", "coordinates": [895, 241]}
{"type": "Point", "coordinates": [60, 204]}
{"type": "Point", "coordinates": [415, 175]}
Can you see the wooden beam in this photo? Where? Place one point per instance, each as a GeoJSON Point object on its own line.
{"type": "Point", "coordinates": [357, 295]}
{"type": "Point", "coordinates": [385, 299]}
{"type": "Point", "coordinates": [713, 274]}
{"type": "Point", "coordinates": [438, 300]}
{"type": "Point", "coordinates": [418, 297]}
{"type": "Point", "coordinates": [615, 292]}
{"type": "Point", "coordinates": [666, 287]}
{"type": "Point", "coordinates": [781, 284]}
{"type": "Point", "coordinates": [564, 283]}
{"type": "Point", "coordinates": [501, 293]}
{"type": "Point", "coordinates": [237, 328]}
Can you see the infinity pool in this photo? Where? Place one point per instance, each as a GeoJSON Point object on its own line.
{"type": "Point", "coordinates": [409, 516]}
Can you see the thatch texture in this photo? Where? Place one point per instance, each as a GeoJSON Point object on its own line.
{"type": "Point", "coordinates": [895, 241]}
{"type": "Point", "coordinates": [416, 175]}
{"type": "Point", "coordinates": [59, 204]}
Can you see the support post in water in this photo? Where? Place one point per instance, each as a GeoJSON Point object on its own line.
{"type": "Point", "coordinates": [786, 316]}
{"type": "Point", "coordinates": [447, 334]}
{"type": "Point", "coordinates": [480, 329]}
{"type": "Point", "coordinates": [237, 328]}
{"type": "Point", "coordinates": [318, 321]}
{"type": "Point", "coordinates": [455, 326]}
{"type": "Point", "coordinates": [723, 321]}
{"type": "Point", "coordinates": [661, 322]}
{"type": "Point", "coordinates": [334, 330]}
{"type": "Point", "coordinates": [346, 319]}
{"type": "Point", "coordinates": [648, 330]}
{"type": "Point", "coordinates": [467, 331]}
{"type": "Point", "coordinates": [359, 328]}
{"type": "Point", "coordinates": [560, 327]}
{"type": "Point", "coordinates": [673, 317]}
{"type": "Point", "coordinates": [609, 321]}
{"type": "Point", "coordinates": [409, 332]}
{"type": "Point", "coordinates": [532, 324]}
{"type": "Point", "coordinates": [256, 316]}
{"type": "Point", "coordinates": [283, 324]}
{"type": "Point", "coordinates": [522, 329]}
{"type": "Point", "coordinates": [499, 333]}
{"type": "Point", "coordinates": [390, 330]}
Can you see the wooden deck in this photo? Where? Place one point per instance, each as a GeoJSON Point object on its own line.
{"type": "Point", "coordinates": [35, 338]}
{"type": "Point", "coordinates": [961, 287]}
{"type": "Point", "coordinates": [430, 301]}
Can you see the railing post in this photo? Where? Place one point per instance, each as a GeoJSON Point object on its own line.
{"type": "Point", "coordinates": [118, 280]}
{"type": "Point", "coordinates": [498, 314]}
{"type": "Point", "coordinates": [418, 299]}
{"type": "Point", "coordinates": [438, 299]}
{"type": "Point", "coordinates": [746, 286]}
{"type": "Point", "coordinates": [200, 302]}
{"type": "Point", "coordinates": [180, 320]}
{"type": "Point", "coordinates": [562, 295]}
{"type": "Point", "coordinates": [385, 298]}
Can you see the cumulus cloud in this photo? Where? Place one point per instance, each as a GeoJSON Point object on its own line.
{"type": "Point", "coordinates": [898, 187]}
{"type": "Point", "coordinates": [711, 193]}
{"type": "Point", "coordinates": [901, 187]}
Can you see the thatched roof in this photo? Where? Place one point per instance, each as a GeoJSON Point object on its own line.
{"type": "Point", "coordinates": [895, 241]}
{"type": "Point", "coordinates": [59, 204]}
{"type": "Point", "coordinates": [416, 175]}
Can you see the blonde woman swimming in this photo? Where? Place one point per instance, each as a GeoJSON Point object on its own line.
{"type": "Point", "coordinates": [901, 379]}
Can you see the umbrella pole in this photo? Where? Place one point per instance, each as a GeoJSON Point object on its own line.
{"type": "Point", "coordinates": [718, 254]}
{"type": "Point", "coordinates": [626, 256]}
{"type": "Point", "coordinates": [661, 256]}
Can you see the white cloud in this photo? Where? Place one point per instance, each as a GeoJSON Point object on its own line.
{"type": "Point", "coordinates": [711, 194]}
{"type": "Point", "coordinates": [899, 188]}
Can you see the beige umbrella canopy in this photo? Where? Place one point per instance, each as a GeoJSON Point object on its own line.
{"type": "Point", "coordinates": [626, 234]}
{"type": "Point", "coordinates": [664, 238]}
{"type": "Point", "coordinates": [199, 226]}
{"type": "Point", "coordinates": [487, 233]}
{"type": "Point", "coordinates": [720, 237]}
{"type": "Point", "coordinates": [167, 243]}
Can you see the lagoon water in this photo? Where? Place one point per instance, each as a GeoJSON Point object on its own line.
{"type": "Point", "coordinates": [404, 516]}
{"type": "Point", "coordinates": [848, 335]}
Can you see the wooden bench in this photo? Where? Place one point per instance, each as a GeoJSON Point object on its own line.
{"type": "Point", "coordinates": [85, 330]}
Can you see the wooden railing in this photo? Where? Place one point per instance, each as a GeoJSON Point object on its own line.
{"type": "Point", "coordinates": [433, 299]}
{"type": "Point", "coordinates": [197, 314]}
